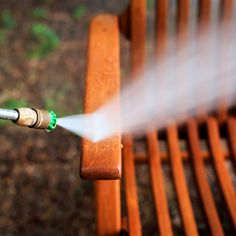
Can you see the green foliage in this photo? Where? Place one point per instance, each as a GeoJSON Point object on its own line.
{"type": "Point", "coordinates": [7, 20]}
{"type": "Point", "coordinates": [40, 13]}
{"type": "Point", "coordinates": [79, 12]}
{"type": "Point", "coordinates": [150, 4]}
{"type": "Point", "coordinates": [14, 103]}
{"type": "Point", "coordinates": [46, 40]}
{"type": "Point", "coordinates": [2, 36]}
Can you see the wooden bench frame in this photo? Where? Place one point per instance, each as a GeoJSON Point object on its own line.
{"type": "Point", "coordinates": [103, 160]}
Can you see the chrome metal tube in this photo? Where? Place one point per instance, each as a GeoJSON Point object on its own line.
{"type": "Point", "coordinates": [8, 114]}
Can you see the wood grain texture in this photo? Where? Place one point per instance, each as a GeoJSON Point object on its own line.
{"type": "Point", "coordinates": [154, 158]}
{"type": "Point", "coordinates": [138, 35]}
{"type": "Point", "coordinates": [202, 180]}
{"type": "Point", "coordinates": [221, 171]}
{"type": "Point", "coordinates": [162, 9]}
{"type": "Point", "coordinates": [231, 127]}
{"type": "Point", "coordinates": [108, 219]}
{"type": "Point", "coordinates": [158, 189]}
{"type": "Point", "coordinates": [134, 223]}
{"type": "Point", "coordinates": [180, 183]}
{"type": "Point", "coordinates": [102, 160]}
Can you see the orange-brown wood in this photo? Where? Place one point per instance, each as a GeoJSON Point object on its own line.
{"type": "Point", "coordinates": [226, 12]}
{"type": "Point", "coordinates": [185, 206]}
{"type": "Point", "coordinates": [108, 219]}
{"type": "Point", "coordinates": [134, 223]}
{"type": "Point", "coordinates": [204, 14]}
{"type": "Point", "coordinates": [102, 160]}
{"type": "Point", "coordinates": [221, 171]}
{"type": "Point", "coordinates": [202, 180]}
{"type": "Point", "coordinates": [156, 175]}
{"type": "Point", "coordinates": [231, 126]}
{"type": "Point", "coordinates": [158, 189]}
{"type": "Point", "coordinates": [162, 8]}
{"type": "Point", "coordinates": [180, 183]}
{"type": "Point", "coordinates": [226, 18]}
{"type": "Point", "coordinates": [138, 35]}
{"type": "Point", "coordinates": [182, 20]}
{"type": "Point", "coordinates": [142, 156]}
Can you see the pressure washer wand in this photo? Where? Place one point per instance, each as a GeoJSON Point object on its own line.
{"type": "Point", "coordinates": [30, 117]}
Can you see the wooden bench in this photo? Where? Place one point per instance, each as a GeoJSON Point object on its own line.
{"type": "Point", "coordinates": [102, 161]}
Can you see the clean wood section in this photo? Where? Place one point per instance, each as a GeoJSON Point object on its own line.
{"type": "Point", "coordinates": [231, 127]}
{"type": "Point", "coordinates": [108, 219]}
{"type": "Point", "coordinates": [221, 171]}
{"type": "Point", "coordinates": [154, 158]}
{"type": "Point", "coordinates": [138, 34]}
{"type": "Point", "coordinates": [185, 206]}
{"type": "Point", "coordinates": [134, 223]}
{"type": "Point", "coordinates": [102, 160]}
{"type": "Point", "coordinates": [226, 18]}
{"type": "Point", "coordinates": [162, 9]}
{"type": "Point", "coordinates": [177, 168]}
{"type": "Point", "coordinates": [202, 180]}
{"type": "Point", "coordinates": [142, 156]}
{"type": "Point", "coordinates": [158, 189]}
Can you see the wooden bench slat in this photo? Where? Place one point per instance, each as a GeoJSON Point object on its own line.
{"type": "Point", "coordinates": [231, 127]}
{"type": "Point", "coordinates": [158, 189]}
{"type": "Point", "coordinates": [202, 180]}
{"type": "Point", "coordinates": [138, 37]}
{"type": "Point", "coordinates": [102, 160]}
{"type": "Point", "coordinates": [134, 222]}
{"type": "Point", "coordinates": [185, 206]}
{"type": "Point", "coordinates": [221, 171]}
{"type": "Point", "coordinates": [108, 219]}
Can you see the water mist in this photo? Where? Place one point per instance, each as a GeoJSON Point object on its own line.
{"type": "Point", "coordinates": [199, 76]}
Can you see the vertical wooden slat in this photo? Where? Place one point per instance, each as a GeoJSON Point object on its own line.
{"type": "Point", "coordinates": [204, 15]}
{"type": "Point", "coordinates": [108, 219]}
{"type": "Point", "coordinates": [231, 127]}
{"type": "Point", "coordinates": [180, 183]}
{"type": "Point", "coordinates": [185, 206]}
{"type": "Point", "coordinates": [221, 171]}
{"type": "Point", "coordinates": [226, 18]}
{"type": "Point", "coordinates": [138, 36]}
{"type": "Point", "coordinates": [158, 189]}
{"type": "Point", "coordinates": [103, 159]}
{"type": "Point", "coordinates": [202, 180]}
{"type": "Point", "coordinates": [157, 180]}
{"type": "Point", "coordinates": [131, 187]}
{"type": "Point", "coordinates": [162, 9]}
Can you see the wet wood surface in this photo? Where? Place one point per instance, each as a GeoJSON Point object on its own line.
{"type": "Point", "coordinates": [102, 160]}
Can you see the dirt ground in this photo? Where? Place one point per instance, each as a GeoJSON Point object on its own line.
{"type": "Point", "coordinates": [41, 192]}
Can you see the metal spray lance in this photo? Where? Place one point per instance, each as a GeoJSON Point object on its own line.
{"type": "Point", "coordinates": [30, 117]}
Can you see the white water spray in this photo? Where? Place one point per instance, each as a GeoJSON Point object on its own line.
{"type": "Point", "coordinates": [198, 77]}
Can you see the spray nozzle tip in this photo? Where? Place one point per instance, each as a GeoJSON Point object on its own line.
{"type": "Point", "coordinates": [53, 121]}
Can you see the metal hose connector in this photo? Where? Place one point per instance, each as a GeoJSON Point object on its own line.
{"type": "Point", "coordinates": [33, 118]}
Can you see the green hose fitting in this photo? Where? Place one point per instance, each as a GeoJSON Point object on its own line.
{"type": "Point", "coordinates": [53, 121]}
